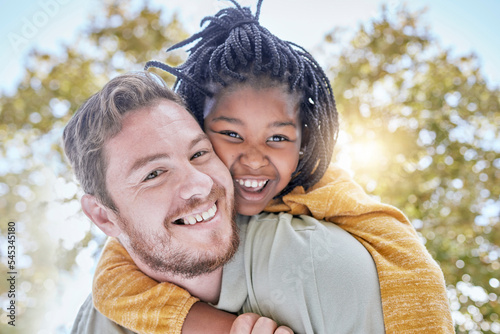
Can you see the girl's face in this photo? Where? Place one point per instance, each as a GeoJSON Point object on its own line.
{"type": "Point", "coordinates": [257, 134]}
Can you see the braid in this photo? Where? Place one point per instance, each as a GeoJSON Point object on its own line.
{"type": "Point", "coordinates": [232, 48]}
{"type": "Point", "coordinates": [257, 14]}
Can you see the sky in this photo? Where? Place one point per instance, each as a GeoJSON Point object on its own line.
{"type": "Point", "coordinates": [463, 26]}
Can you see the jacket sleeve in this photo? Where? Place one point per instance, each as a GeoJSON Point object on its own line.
{"type": "Point", "coordinates": [132, 299]}
{"type": "Point", "coordinates": [412, 284]}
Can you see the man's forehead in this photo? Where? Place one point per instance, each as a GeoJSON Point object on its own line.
{"type": "Point", "coordinates": [162, 128]}
{"type": "Point", "coordinates": [164, 114]}
{"type": "Point", "coordinates": [164, 111]}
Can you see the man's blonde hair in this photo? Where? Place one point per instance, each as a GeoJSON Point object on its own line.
{"type": "Point", "coordinates": [100, 118]}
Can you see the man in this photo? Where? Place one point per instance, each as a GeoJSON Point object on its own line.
{"type": "Point", "coordinates": [147, 170]}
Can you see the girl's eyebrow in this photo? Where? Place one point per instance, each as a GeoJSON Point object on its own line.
{"type": "Point", "coordinates": [282, 124]}
{"type": "Point", "coordinates": [278, 124]}
{"type": "Point", "coordinates": [227, 119]}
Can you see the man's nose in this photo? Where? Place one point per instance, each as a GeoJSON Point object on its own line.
{"type": "Point", "coordinates": [194, 183]}
{"type": "Point", "coordinates": [253, 157]}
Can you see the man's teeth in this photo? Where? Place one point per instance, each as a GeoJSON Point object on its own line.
{"type": "Point", "coordinates": [191, 220]}
{"type": "Point", "coordinates": [251, 183]}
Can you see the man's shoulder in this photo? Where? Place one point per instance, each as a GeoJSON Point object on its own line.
{"type": "Point", "coordinates": [298, 260]}
{"type": "Point", "coordinates": [90, 321]}
{"type": "Point", "coordinates": [297, 235]}
{"type": "Point", "coordinates": [285, 240]}
{"type": "Point", "coordinates": [273, 223]}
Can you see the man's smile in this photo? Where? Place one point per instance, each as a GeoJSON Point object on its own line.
{"type": "Point", "coordinates": [200, 217]}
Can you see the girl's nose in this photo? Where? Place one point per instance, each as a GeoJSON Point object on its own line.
{"type": "Point", "coordinates": [253, 158]}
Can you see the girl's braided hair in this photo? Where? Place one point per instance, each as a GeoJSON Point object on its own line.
{"type": "Point", "coordinates": [234, 47]}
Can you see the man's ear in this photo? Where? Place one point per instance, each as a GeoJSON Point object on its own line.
{"type": "Point", "coordinates": [101, 215]}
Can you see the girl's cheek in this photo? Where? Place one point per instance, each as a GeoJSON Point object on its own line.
{"type": "Point", "coordinates": [225, 153]}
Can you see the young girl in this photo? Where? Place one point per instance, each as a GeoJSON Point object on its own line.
{"type": "Point", "coordinates": [269, 111]}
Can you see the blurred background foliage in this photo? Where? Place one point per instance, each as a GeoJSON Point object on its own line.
{"type": "Point", "coordinates": [419, 131]}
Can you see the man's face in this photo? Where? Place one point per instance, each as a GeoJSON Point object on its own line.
{"type": "Point", "coordinates": [174, 196]}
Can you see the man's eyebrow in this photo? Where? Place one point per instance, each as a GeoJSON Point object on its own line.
{"type": "Point", "coordinates": [227, 119]}
{"type": "Point", "coordinates": [202, 136]}
{"type": "Point", "coordinates": [139, 163]}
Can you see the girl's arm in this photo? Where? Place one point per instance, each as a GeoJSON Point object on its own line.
{"type": "Point", "coordinates": [126, 295]}
{"type": "Point", "coordinates": [203, 318]}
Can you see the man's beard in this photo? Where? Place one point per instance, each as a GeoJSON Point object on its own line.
{"type": "Point", "coordinates": [158, 253]}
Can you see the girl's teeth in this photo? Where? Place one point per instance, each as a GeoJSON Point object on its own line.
{"type": "Point", "coordinates": [191, 220]}
{"type": "Point", "coordinates": [251, 183]}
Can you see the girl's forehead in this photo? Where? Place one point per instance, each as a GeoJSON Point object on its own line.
{"type": "Point", "coordinates": [255, 100]}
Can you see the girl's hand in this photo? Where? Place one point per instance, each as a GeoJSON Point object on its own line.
{"type": "Point", "coordinates": [251, 323]}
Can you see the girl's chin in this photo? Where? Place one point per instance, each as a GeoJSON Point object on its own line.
{"type": "Point", "coordinates": [249, 203]}
{"type": "Point", "coordinates": [249, 209]}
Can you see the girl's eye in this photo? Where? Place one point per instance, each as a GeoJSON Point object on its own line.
{"type": "Point", "coordinates": [154, 174]}
{"type": "Point", "coordinates": [277, 138]}
{"type": "Point", "coordinates": [230, 134]}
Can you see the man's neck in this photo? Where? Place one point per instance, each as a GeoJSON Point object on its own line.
{"type": "Point", "coordinates": [205, 287]}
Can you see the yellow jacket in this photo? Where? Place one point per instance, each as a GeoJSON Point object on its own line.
{"type": "Point", "coordinates": [412, 286]}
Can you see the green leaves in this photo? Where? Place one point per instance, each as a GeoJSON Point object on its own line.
{"type": "Point", "coordinates": [435, 121]}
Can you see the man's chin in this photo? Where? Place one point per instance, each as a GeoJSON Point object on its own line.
{"type": "Point", "coordinates": [163, 256]}
{"type": "Point", "coordinates": [207, 263]}
{"type": "Point", "coordinates": [183, 262]}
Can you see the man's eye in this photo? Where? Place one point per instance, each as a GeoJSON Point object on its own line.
{"type": "Point", "coordinates": [198, 154]}
{"type": "Point", "coordinates": [154, 174]}
{"type": "Point", "coordinates": [230, 134]}
{"type": "Point", "coordinates": [277, 138]}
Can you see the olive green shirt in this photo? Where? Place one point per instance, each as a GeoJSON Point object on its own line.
{"type": "Point", "coordinates": [307, 274]}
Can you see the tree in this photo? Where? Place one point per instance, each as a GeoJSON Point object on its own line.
{"type": "Point", "coordinates": [421, 128]}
